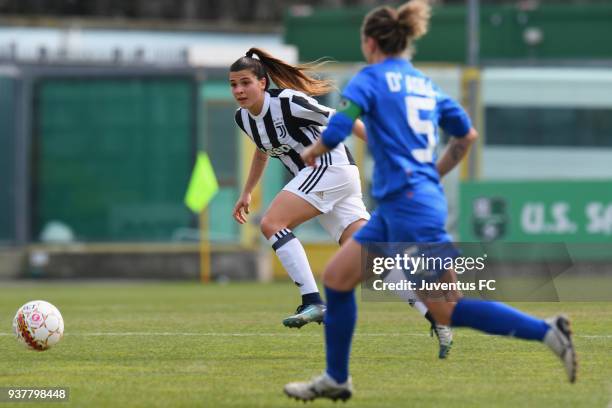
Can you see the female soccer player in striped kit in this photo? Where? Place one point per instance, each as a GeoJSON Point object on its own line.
{"type": "Point", "coordinates": [402, 109]}
{"type": "Point", "coordinates": [283, 123]}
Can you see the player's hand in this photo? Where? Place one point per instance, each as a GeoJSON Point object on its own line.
{"type": "Point", "coordinates": [310, 154]}
{"type": "Point", "coordinates": [241, 209]}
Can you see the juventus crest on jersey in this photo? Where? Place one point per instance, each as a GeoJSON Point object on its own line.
{"type": "Point", "coordinates": [289, 121]}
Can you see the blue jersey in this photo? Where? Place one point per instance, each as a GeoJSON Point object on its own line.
{"type": "Point", "coordinates": [402, 109]}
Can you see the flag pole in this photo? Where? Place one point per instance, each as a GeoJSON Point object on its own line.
{"type": "Point", "coordinates": [204, 248]}
{"type": "Point", "coordinates": [202, 188]}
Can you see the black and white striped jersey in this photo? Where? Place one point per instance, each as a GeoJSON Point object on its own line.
{"type": "Point", "coordinates": [289, 121]}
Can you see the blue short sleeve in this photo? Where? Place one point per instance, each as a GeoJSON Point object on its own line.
{"type": "Point", "coordinates": [452, 117]}
{"type": "Point", "coordinates": [359, 90]}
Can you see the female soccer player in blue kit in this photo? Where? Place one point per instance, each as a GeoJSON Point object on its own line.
{"type": "Point", "coordinates": [402, 109]}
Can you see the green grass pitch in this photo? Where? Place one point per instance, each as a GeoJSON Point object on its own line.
{"type": "Point", "coordinates": [187, 345]}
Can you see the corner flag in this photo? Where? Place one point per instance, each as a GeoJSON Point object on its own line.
{"type": "Point", "coordinates": [202, 186]}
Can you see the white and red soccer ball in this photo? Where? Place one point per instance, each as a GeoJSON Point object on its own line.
{"type": "Point", "coordinates": [38, 325]}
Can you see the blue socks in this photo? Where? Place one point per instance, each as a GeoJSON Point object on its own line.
{"type": "Point", "coordinates": [498, 318]}
{"type": "Point", "coordinates": [340, 321]}
{"type": "Point", "coordinates": [489, 317]}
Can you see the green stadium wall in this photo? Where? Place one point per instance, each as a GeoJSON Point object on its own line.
{"type": "Point", "coordinates": [568, 32]}
{"type": "Point", "coordinates": [112, 156]}
{"type": "Point", "coordinates": [7, 164]}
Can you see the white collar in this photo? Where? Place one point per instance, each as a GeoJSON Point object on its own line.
{"type": "Point", "coordinates": [264, 108]}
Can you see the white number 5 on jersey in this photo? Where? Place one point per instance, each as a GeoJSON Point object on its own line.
{"type": "Point", "coordinates": [414, 105]}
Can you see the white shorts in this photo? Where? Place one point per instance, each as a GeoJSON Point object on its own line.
{"type": "Point", "coordinates": [336, 192]}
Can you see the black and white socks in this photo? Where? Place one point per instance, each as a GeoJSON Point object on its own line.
{"type": "Point", "coordinates": [292, 256]}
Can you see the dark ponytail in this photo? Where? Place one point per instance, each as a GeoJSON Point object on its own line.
{"type": "Point", "coordinates": [395, 29]}
{"type": "Point", "coordinates": [284, 75]}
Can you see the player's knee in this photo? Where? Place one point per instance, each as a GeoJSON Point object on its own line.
{"type": "Point", "coordinates": [331, 279]}
{"type": "Point", "coordinates": [340, 279]}
{"type": "Point", "coordinates": [269, 226]}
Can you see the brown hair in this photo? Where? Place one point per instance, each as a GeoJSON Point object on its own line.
{"type": "Point", "coordinates": [282, 74]}
{"type": "Point", "coordinates": [395, 29]}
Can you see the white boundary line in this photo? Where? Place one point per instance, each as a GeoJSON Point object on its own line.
{"type": "Point", "coordinates": [209, 334]}
{"type": "Point", "coordinates": [214, 334]}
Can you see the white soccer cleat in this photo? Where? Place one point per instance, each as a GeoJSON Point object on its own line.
{"type": "Point", "coordinates": [322, 386]}
{"type": "Point", "coordinates": [559, 339]}
{"type": "Point", "coordinates": [445, 338]}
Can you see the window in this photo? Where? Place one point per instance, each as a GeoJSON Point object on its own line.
{"type": "Point", "coordinates": [541, 126]}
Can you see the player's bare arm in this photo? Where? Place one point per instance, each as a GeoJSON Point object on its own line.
{"type": "Point", "coordinates": [455, 151]}
{"type": "Point", "coordinates": [359, 130]}
{"type": "Point", "coordinates": [258, 165]}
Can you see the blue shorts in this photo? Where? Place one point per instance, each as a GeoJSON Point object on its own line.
{"type": "Point", "coordinates": [413, 223]}
{"type": "Point", "coordinates": [415, 215]}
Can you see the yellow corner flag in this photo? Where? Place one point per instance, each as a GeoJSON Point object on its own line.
{"type": "Point", "coordinates": [202, 186]}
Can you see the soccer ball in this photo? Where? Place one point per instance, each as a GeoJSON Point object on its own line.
{"type": "Point", "coordinates": [38, 325]}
